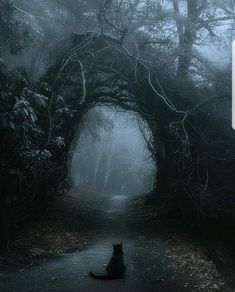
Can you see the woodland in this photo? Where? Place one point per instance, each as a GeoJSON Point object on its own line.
{"type": "Point", "coordinates": [168, 61]}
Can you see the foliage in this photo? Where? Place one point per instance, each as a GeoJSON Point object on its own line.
{"type": "Point", "coordinates": [25, 157]}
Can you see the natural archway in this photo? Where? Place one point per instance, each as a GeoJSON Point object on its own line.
{"type": "Point", "coordinates": [109, 73]}
{"type": "Point", "coordinates": [104, 77]}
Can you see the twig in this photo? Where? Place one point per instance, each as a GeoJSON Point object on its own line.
{"type": "Point", "coordinates": [6, 114]}
{"type": "Point", "coordinates": [26, 12]}
{"type": "Point", "coordinates": [83, 82]}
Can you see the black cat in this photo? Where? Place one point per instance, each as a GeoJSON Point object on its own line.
{"type": "Point", "coordinates": [116, 267]}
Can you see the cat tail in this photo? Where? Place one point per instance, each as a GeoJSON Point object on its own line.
{"type": "Point", "coordinates": [102, 277]}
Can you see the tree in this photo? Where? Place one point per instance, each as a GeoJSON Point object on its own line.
{"type": "Point", "coordinates": [183, 25]}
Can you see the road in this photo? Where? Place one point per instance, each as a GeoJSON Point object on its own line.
{"type": "Point", "coordinates": [149, 265]}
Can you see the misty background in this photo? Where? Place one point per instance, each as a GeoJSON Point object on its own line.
{"type": "Point", "coordinates": [113, 157]}
{"type": "Point", "coordinates": [52, 23]}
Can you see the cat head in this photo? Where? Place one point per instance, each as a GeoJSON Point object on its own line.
{"type": "Point", "coordinates": [117, 248]}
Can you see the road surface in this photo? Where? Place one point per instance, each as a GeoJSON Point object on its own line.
{"type": "Point", "coordinates": [149, 265]}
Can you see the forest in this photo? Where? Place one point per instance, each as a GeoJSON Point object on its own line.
{"type": "Point", "coordinates": [66, 65]}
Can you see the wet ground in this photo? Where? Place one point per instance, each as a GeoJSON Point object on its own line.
{"type": "Point", "coordinates": [149, 261]}
{"type": "Point", "coordinates": [69, 273]}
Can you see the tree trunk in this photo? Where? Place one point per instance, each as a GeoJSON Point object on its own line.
{"type": "Point", "coordinates": [187, 37]}
{"type": "Point", "coordinates": [185, 57]}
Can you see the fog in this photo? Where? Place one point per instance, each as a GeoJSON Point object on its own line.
{"type": "Point", "coordinates": [167, 60]}
{"type": "Point", "coordinates": [51, 22]}
{"type": "Point", "coordinates": [111, 155]}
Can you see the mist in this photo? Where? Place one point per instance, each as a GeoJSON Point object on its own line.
{"type": "Point", "coordinates": [113, 158]}
{"type": "Point", "coordinates": [116, 145]}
